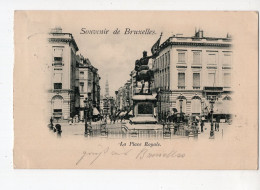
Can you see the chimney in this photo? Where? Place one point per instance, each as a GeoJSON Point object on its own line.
{"type": "Point", "coordinates": [228, 35]}
{"type": "Point", "coordinates": [200, 34]}
{"type": "Point", "coordinates": [57, 29]}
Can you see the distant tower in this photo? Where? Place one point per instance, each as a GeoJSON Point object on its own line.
{"type": "Point", "coordinates": [107, 89]}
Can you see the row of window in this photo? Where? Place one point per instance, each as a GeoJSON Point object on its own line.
{"type": "Point", "coordinates": [164, 60]}
{"type": "Point", "coordinates": [162, 79]}
{"type": "Point", "coordinates": [210, 82]}
{"type": "Point", "coordinates": [211, 58]}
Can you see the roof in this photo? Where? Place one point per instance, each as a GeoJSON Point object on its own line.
{"type": "Point", "coordinates": [63, 37]}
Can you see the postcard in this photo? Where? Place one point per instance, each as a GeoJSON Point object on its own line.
{"type": "Point", "coordinates": [136, 90]}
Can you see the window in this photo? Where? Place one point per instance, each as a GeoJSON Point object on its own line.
{"type": "Point", "coordinates": [166, 80]}
{"type": "Point", "coordinates": [181, 57]}
{"type": "Point", "coordinates": [57, 110]}
{"type": "Point", "coordinates": [82, 102]}
{"type": "Point", "coordinates": [57, 78]}
{"type": "Point", "coordinates": [211, 59]}
{"type": "Point", "coordinates": [210, 97]}
{"type": "Point", "coordinates": [81, 75]}
{"type": "Point", "coordinates": [227, 80]}
{"type": "Point", "coordinates": [57, 56]}
{"type": "Point", "coordinates": [211, 79]}
{"type": "Point", "coordinates": [166, 60]}
{"type": "Point", "coordinates": [196, 80]}
{"type": "Point", "coordinates": [162, 62]}
{"type": "Point", "coordinates": [195, 106]}
{"type": "Point", "coordinates": [81, 87]}
{"type": "Point", "coordinates": [57, 105]}
{"type": "Point", "coordinates": [196, 58]}
{"type": "Point", "coordinates": [227, 59]}
{"type": "Point", "coordinates": [181, 80]}
{"type": "Point", "coordinates": [169, 79]}
{"type": "Point", "coordinates": [57, 85]}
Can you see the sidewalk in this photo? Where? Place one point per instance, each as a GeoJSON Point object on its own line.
{"type": "Point", "coordinates": [223, 129]}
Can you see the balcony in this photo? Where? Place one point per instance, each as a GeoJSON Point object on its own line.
{"type": "Point", "coordinates": [57, 63]}
{"type": "Point", "coordinates": [181, 87]}
{"type": "Point", "coordinates": [196, 87]}
{"type": "Point", "coordinates": [57, 114]}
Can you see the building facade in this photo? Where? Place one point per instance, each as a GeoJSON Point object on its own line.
{"type": "Point", "coordinates": [124, 96]}
{"type": "Point", "coordinates": [189, 71]}
{"type": "Point", "coordinates": [63, 88]}
{"type": "Point", "coordinates": [89, 88]}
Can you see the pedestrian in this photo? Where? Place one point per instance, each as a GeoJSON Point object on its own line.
{"type": "Point", "coordinates": [114, 118]}
{"type": "Point", "coordinates": [70, 121]}
{"type": "Point", "coordinates": [201, 126]}
{"type": "Point", "coordinates": [51, 123]}
{"type": "Point", "coordinates": [175, 128]}
{"type": "Point", "coordinates": [59, 131]}
{"type": "Point", "coordinates": [217, 126]}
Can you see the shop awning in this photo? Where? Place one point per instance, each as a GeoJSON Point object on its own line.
{"type": "Point", "coordinates": [95, 111]}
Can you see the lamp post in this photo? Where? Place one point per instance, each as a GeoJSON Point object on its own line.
{"type": "Point", "coordinates": [88, 114]}
{"type": "Point", "coordinates": [211, 112]}
{"type": "Point", "coordinates": [202, 108]}
{"type": "Point", "coordinates": [181, 100]}
{"type": "Point", "coordinates": [127, 104]}
{"type": "Point", "coordinates": [86, 104]}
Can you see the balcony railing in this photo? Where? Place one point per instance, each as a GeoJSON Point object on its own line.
{"type": "Point", "coordinates": [181, 87]}
{"type": "Point", "coordinates": [57, 63]}
{"type": "Point", "coordinates": [57, 114]}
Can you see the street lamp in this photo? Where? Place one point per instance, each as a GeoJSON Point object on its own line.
{"type": "Point", "coordinates": [88, 112]}
{"type": "Point", "coordinates": [127, 104]}
{"type": "Point", "coordinates": [202, 108]}
{"type": "Point", "coordinates": [86, 104]}
{"type": "Point", "coordinates": [181, 100]}
{"type": "Point", "coordinates": [212, 101]}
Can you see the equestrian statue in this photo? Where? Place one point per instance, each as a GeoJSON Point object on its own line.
{"type": "Point", "coordinates": [143, 73]}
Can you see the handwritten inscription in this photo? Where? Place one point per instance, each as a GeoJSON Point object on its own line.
{"type": "Point", "coordinates": [145, 153]}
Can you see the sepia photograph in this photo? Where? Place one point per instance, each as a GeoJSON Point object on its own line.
{"type": "Point", "coordinates": [136, 89]}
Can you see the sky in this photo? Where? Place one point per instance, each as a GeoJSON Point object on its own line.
{"type": "Point", "coordinates": [114, 55]}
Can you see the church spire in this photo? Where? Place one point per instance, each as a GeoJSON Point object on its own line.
{"type": "Point", "coordinates": [107, 89]}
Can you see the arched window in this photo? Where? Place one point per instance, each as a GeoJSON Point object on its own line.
{"type": "Point", "coordinates": [227, 98]}
{"type": "Point", "coordinates": [57, 102]}
{"type": "Point", "coordinates": [227, 104]}
{"type": "Point", "coordinates": [196, 105]}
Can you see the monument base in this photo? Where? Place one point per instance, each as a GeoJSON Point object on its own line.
{"type": "Point", "coordinates": [143, 120]}
{"type": "Point", "coordinates": [143, 126]}
{"type": "Point", "coordinates": [144, 109]}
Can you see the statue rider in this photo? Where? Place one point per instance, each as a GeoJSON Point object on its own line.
{"type": "Point", "coordinates": [144, 74]}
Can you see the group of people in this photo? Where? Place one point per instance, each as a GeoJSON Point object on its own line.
{"type": "Point", "coordinates": [75, 119]}
{"type": "Point", "coordinates": [56, 128]}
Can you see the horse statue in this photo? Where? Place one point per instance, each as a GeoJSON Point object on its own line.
{"type": "Point", "coordinates": [143, 73]}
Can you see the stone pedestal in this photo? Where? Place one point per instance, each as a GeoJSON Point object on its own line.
{"type": "Point", "coordinates": [144, 109]}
